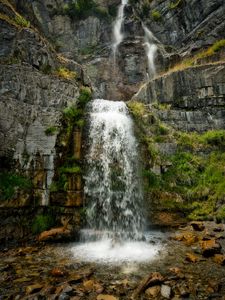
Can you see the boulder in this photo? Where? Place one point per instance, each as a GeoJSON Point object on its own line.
{"type": "Point", "coordinates": [210, 247]}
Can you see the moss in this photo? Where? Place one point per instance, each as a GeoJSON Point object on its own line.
{"type": "Point", "coordinates": [42, 222]}
{"type": "Point", "coordinates": [202, 210]}
{"type": "Point", "coordinates": [11, 183]}
{"type": "Point", "coordinates": [70, 170]}
{"type": "Point", "coordinates": [65, 73]}
{"type": "Point", "coordinates": [137, 108]}
{"type": "Point", "coordinates": [156, 15]}
{"type": "Point", "coordinates": [51, 130]}
{"type": "Point", "coordinates": [176, 4]}
{"type": "Point", "coordinates": [188, 62]}
{"type": "Point", "coordinates": [22, 21]}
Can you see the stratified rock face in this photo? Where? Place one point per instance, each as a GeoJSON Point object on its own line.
{"type": "Point", "coordinates": [185, 24]}
{"type": "Point", "coordinates": [196, 96]}
{"type": "Point", "coordinates": [32, 100]}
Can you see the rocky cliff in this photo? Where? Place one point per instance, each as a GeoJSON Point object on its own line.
{"type": "Point", "coordinates": [51, 53]}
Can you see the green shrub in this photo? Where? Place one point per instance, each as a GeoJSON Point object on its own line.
{"type": "Point", "coordinates": [79, 9]}
{"type": "Point", "coordinates": [22, 21]}
{"type": "Point", "coordinates": [42, 222]}
{"type": "Point", "coordinates": [85, 96]}
{"type": "Point", "coordinates": [51, 130]}
{"type": "Point", "coordinates": [214, 138]}
{"type": "Point", "coordinates": [10, 183]}
{"type": "Point", "coordinates": [156, 15]}
{"type": "Point", "coordinates": [136, 108]}
{"type": "Point", "coordinates": [72, 114]}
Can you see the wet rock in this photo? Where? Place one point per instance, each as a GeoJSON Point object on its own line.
{"type": "Point", "coordinates": [151, 280]}
{"type": "Point", "coordinates": [219, 259]}
{"type": "Point", "coordinates": [106, 297]}
{"type": "Point", "coordinates": [153, 291]}
{"type": "Point", "coordinates": [219, 228]}
{"type": "Point", "coordinates": [210, 247]}
{"type": "Point", "coordinates": [64, 296]}
{"type": "Point", "coordinates": [189, 238]}
{"type": "Point", "coordinates": [54, 234]}
{"type": "Point", "coordinates": [34, 288]}
{"type": "Point", "coordinates": [198, 226]}
{"type": "Point", "coordinates": [166, 291]}
{"type": "Point", "coordinates": [89, 285]}
{"type": "Point", "coordinates": [57, 272]}
{"type": "Point", "coordinates": [190, 257]}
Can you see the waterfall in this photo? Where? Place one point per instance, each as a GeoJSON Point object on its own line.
{"type": "Point", "coordinates": [112, 184]}
{"type": "Point", "coordinates": [117, 29]}
{"type": "Point", "coordinates": [150, 48]}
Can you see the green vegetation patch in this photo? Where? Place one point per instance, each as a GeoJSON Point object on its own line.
{"type": "Point", "coordinates": [42, 222]}
{"type": "Point", "coordinates": [11, 183]}
{"type": "Point", "coordinates": [21, 21]}
{"type": "Point", "coordinates": [175, 4]}
{"type": "Point", "coordinates": [156, 15]}
{"type": "Point", "coordinates": [65, 73]}
{"type": "Point", "coordinates": [52, 130]}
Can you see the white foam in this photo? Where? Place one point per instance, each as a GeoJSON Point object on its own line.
{"type": "Point", "coordinates": [104, 252]}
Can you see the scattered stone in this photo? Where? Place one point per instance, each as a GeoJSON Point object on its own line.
{"type": "Point", "coordinates": [64, 296]}
{"type": "Point", "coordinates": [106, 297]}
{"type": "Point", "coordinates": [54, 234]}
{"type": "Point", "coordinates": [219, 259]}
{"type": "Point", "coordinates": [166, 291]}
{"type": "Point", "coordinates": [187, 237]}
{"type": "Point", "coordinates": [198, 226]}
{"type": "Point", "coordinates": [57, 272]}
{"type": "Point", "coordinates": [219, 228]}
{"type": "Point", "coordinates": [210, 247]}
{"type": "Point", "coordinates": [151, 280]}
{"type": "Point", "coordinates": [153, 291]}
{"type": "Point", "coordinates": [190, 257]}
{"type": "Point", "coordinates": [89, 285]}
{"type": "Point", "coordinates": [34, 288]}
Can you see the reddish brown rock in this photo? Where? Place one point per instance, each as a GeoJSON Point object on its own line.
{"type": "Point", "coordinates": [210, 247]}
{"type": "Point", "coordinates": [190, 257]}
{"type": "Point", "coordinates": [151, 280]}
{"type": "Point", "coordinates": [219, 259]}
{"type": "Point", "coordinates": [54, 233]}
{"type": "Point", "coordinates": [153, 291]}
{"type": "Point", "coordinates": [58, 272]}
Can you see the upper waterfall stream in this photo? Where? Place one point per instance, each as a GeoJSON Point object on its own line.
{"type": "Point", "coordinates": [117, 28]}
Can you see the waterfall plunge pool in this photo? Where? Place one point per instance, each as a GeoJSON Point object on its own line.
{"type": "Point", "coordinates": [108, 251]}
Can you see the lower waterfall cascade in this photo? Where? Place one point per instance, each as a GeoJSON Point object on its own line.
{"type": "Point", "coordinates": [113, 190]}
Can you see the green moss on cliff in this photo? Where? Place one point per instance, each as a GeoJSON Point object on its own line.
{"type": "Point", "coordinates": [11, 183]}
{"type": "Point", "coordinates": [192, 179]}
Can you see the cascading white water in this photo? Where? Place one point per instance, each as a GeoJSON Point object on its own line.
{"type": "Point", "coordinates": [117, 29]}
{"type": "Point", "coordinates": [112, 184]}
{"type": "Point", "coordinates": [150, 48]}
{"type": "Point", "coordinates": [113, 190]}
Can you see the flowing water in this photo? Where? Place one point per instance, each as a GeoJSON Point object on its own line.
{"type": "Point", "coordinates": [151, 49]}
{"type": "Point", "coordinates": [117, 29]}
{"type": "Point", "coordinates": [113, 192]}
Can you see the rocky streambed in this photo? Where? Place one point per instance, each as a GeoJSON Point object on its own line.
{"type": "Point", "coordinates": [189, 265]}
